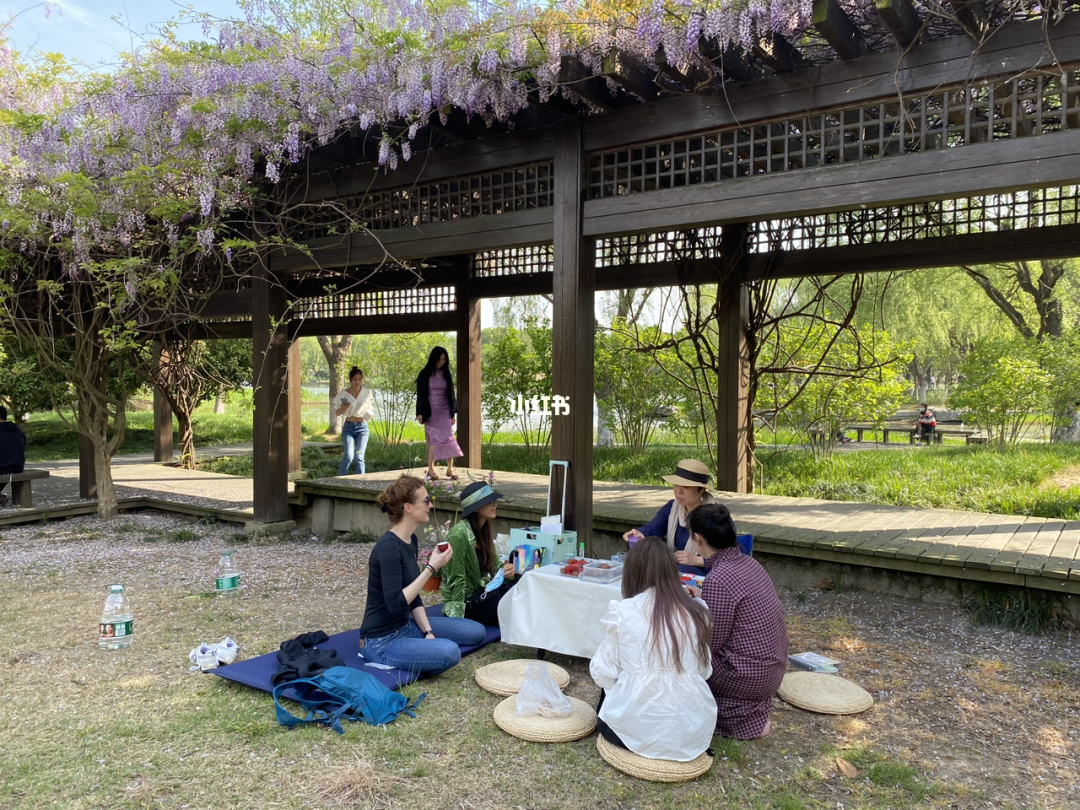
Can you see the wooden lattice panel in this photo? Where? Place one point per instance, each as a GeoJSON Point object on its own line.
{"type": "Point", "coordinates": [1014, 211]}
{"type": "Point", "coordinates": [411, 301]}
{"type": "Point", "coordinates": [946, 118]}
{"type": "Point", "coordinates": [521, 261]}
{"type": "Point", "coordinates": [648, 248]}
{"type": "Point", "coordinates": [517, 189]}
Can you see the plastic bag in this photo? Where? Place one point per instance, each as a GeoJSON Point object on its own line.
{"type": "Point", "coordinates": [540, 694]}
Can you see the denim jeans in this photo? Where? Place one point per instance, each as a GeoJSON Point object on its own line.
{"type": "Point", "coordinates": [408, 649]}
{"type": "Point", "coordinates": [354, 438]}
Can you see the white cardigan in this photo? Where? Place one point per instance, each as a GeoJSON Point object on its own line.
{"type": "Point", "coordinates": [360, 405]}
{"type": "Point", "coordinates": [656, 711]}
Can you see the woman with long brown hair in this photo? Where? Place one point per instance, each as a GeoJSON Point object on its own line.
{"type": "Point", "coordinates": [397, 630]}
{"type": "Point", "coordinates": [654, 661]}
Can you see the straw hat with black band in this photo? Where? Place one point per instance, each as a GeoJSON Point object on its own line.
{"type": "Point", "coordinates": [475, 495]}
{"type": "Point", "coordinates": [689, 473]}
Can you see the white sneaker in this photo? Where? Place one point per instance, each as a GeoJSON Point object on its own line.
{"type": "Point", "coordinates": [225, 651]}
{"type": "Point", "coordinates": [203, 658]}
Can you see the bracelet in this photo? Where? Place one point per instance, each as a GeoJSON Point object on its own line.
{"type": "Point", "coordinates": [430, 568]}
{"type": "Point", "coordinates": [429, 632]}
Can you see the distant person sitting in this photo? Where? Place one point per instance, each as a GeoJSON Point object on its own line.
{"type": "Point", "coordinates": [12, 451]}
{"type": "Point", "coordinates": [924, 426]}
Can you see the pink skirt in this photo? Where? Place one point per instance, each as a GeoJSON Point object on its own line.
{"type": "Point", "coordinates": [438, 430]}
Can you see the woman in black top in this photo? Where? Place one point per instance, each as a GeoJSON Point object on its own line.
{"type": "Point", "coordinates": [397, 630]}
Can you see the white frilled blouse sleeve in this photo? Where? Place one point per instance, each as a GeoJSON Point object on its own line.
{"type": "Point", "coordinates": [604, 666]}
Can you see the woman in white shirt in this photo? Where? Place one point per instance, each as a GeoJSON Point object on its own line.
{"type": "Point", "coordinates": [355, 404]}
{"type": "Point", "coordinates": [654, 661]}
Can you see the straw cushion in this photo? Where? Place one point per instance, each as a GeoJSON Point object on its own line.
{"type": "Point", "coordinates": [506, 677]}
{"type": "Point", "coordinates": [825, 694]}
{"type": "Point", "coordinates": [579, 723]}
{"type": "Point", "coordinates": [654, 770]}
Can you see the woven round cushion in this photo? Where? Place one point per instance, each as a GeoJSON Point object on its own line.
{"type": "Point", "coordinates": [825, 694]}
{"type": "Point", "coordinates": [505, 677]}
{"type": "Point", "coordinates": [654, 770]}
{"type": "Point", "coordinates": [579, 723]}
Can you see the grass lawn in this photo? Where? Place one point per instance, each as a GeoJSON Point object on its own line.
{"type": "Point", "coordinates": [965, 716]}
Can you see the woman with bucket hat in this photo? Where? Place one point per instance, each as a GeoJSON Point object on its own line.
{"type": "Point", "coordinates": [467, 580]}
{"type": "Point", "coordinates": [689, 486]}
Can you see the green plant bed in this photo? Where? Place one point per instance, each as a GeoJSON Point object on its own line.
{"type": "Point", "coordinates": [972, 478]}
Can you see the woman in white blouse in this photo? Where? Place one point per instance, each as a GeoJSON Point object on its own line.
{"type": "Point", "coordinates": [654, 661]}
{"type": "Point", "coordinates": [356, 406]}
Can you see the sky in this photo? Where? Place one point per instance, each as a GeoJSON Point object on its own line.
{"type": "Point", "coordinates": [86, 31]}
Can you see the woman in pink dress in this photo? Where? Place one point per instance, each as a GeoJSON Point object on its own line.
{"type": "Point", "coordinates": [436, 410]}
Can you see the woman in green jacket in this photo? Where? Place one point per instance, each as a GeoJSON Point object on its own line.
{"type": "Point", "coordinates": [474, 564]}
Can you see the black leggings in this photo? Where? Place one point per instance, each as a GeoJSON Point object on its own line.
{"type": "Point", "coordinates": [604, 729]}
{"type": "Point", "coordinates": [484, 608]}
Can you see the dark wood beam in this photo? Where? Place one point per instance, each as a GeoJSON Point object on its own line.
{"type": "Point", "coordinates": [779, 54]}
{"type": "Point", "coordinates": [580, 80]}
{"type": "Point", "coordinates": [839, 30]}
{"type": "Point", "coordinates": [472, 157]}
{"type": "Point", "coordinates": [940, 63]}
{"type": "Point", "coordinates": [573, 330]}
{"type": "Point", "coordinates": [901, 19]}
{"type": "Point", "coordinates": [516, 229]}
{"type": "Point", "coordinates": [733, 463]}
{"type": "Point", "coordinates": [374, 325]}
{"type": "Point", "coordinates": [163, 428]}
{"type": "Point", "coordinates": [1048, 160]}
{"type": "Point", "coordinates": [470, 431]}
{"type": "Point", "coordinates": [689, 78]}
{"type": "Point", "coordinates": [629, 73]}
{"type": "Point", "coordinates": [972, 16]}
{"type": "Point", "coordinates": [270, 422]}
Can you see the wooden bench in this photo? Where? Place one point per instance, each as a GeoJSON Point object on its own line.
{"type": "Point", "coordinates": [946, 429]}
{"type": "Point", "coordinates": [20, 486]}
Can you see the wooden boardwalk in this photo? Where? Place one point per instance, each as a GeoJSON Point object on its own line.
{"type": "Point", "coordinates": [1002, 549]}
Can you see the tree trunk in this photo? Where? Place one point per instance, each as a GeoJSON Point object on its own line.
{"type": "Point", "coordinates": [219, 403]}
{"type": "Point", "coordinates": [334, 349]}
{"type": "Point", "coordinates": [94, 424]}
{"type": "Point", "coordinates": [604, 436]}
{"type": "Point", "coordinates": [187, 440]}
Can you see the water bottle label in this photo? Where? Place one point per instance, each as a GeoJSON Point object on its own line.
{"type": "Point", "coordinates": [115, 629]}
{"type": "Point", "coordinates": [228, 583]}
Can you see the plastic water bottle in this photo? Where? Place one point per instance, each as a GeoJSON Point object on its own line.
{"type": "Point", "coordinates": [227, 577]}
{"type": "Point", "coordinates": [115, 627]}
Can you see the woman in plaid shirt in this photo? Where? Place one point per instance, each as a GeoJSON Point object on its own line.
{"type": "Point", "coordinates": [749, 639]}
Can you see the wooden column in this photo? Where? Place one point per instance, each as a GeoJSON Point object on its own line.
{"type": "Point", "coordinates": [87, 470]}
{"type": "Point", "coordinates": [467, 370]}
{"type": "Point", "coordinates": [295, 386]}
{"type": "Point", "coordinates": [733, 369]}
{"type": "Point", "coordinates": [573, 328]}
{"type": "Point", "coordinates": [270, 431]}
{"type": "Point", "coordinates": [163, 427]}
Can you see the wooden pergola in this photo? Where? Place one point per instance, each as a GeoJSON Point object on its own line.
{"type": "Point", "coordinates": [890, 143]}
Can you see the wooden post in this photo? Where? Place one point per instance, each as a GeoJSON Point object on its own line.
{"type": "Point", "coordinates": [87, 470]}
{"type": "Point", "coordinates": [270, 431]}
{"type": "Point", "coordinates": [733, 370]}
{"type": "Point", "coordinates": [295, 385]}
{"type": "Point", "coordinates": [163, 427]}
{"type": "Point", "coordinates": [469, 426]}
{"type": "Point", "coordinates": [573, 329]}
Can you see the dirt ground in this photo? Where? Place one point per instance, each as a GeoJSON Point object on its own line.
{"type": "Point", "coordinates": [990, 716]}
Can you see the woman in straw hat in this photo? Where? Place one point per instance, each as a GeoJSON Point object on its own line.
{"type": "Point", "coordinates": [653, 662]}
{"type": "Point", "coordinates": [689, 488]}
{"type": "Point", "coordinates": [749, 639]}
{"type": "Point", "coordinates": [474, 566]}
{"type": "Point", "coordinates": [397, 630]}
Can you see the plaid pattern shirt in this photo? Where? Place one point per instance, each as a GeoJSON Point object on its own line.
{"type": "Point", "coordinates": [749, 642]}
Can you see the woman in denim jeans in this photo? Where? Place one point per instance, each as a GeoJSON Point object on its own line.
{"type": "Point", "coordinates": [355, 405]}
{"type": "Point", "coordinates": [397, 630]}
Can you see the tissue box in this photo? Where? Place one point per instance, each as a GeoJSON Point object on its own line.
{"type": "Point", "coordinates": [559, 547]}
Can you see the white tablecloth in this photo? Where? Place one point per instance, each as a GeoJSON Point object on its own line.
{"type": "Point", "coordinates": [552, 612]}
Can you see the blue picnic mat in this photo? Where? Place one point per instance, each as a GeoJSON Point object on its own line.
{"type": "Point", "coordinates": [258, 672]}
